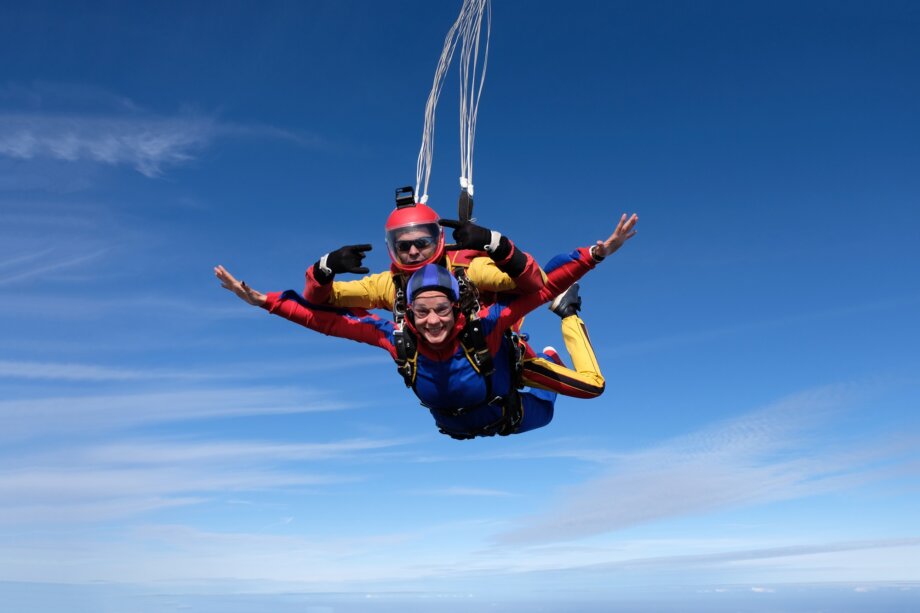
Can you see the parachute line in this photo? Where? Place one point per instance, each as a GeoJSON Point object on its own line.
{"type": "Point", "coordinates": [469, 92]}
{"type": "Point", "coordinates": [466, 30]}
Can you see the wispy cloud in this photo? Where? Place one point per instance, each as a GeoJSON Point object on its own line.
{"type": "Point", "coordinates": [179, 452]}
{"type": "Point", "coordinates": [703, 336]}
{"type": "Point", "coordinates": [765, 553]}
{"type": "Point", "coordinates": [37, 417]}
{"type": "Point", "coordinates": [146, 144]}
{"type": "Point", "coordinates": [44, 262]}
{"type": "Point", "coordinates": [43, 239]}
{"type": "Point", "coordinates": [76, 122]}
{"type": "Point", "coordinates": [49, 95]}
{"type": "Point", "coordinates": [764, 456]}
{"type": "Point", "coordinates": [182, 553]}
{"type": "Point", "coordinates": [462, 492]}
{"type": "Point", "coordinates": [64, 371]}
{"type": "Point", "coordinates": [92, 483]}
{"type": "Point", "coordinates": [80, 372]}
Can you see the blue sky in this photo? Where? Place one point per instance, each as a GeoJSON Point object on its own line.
{"type": "Point", "coordinates": [164, 445]}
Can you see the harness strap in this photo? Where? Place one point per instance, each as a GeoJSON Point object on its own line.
{"type": "Point", "coordinates": [512, 408]}
{"type": "Point", "coordinates": [517, 359]}
{"type": "Point", "coordinates": [512, 415]}
{"type": "Point", "coordinates": [473, 337]}
{"type": "Point", "coordinates": [406, 355]}
{"type": "Point", "coordinates": [406, 348]}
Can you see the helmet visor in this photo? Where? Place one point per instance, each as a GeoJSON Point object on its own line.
{"type": "Point", "coordinates": [414, 245]}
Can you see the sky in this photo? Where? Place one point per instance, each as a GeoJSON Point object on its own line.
{"type": "Point", "coordinates": [164, 446]}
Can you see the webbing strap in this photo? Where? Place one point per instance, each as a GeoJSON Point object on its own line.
{"type": "Point", "coordinates": [406, 355]}
{"type": "Point", "coordinates": [406, 348]}
{"type": "Point", "coordinates": [516, 358]}
{"type": "Point", "coordinates": [473, 337]}
{"type": "Point", "coordinates": [512, 415]}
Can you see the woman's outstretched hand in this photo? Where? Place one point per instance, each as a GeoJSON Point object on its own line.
{"type": "Point", "coordinates": [625, 230]}
{"type": "Point", "coordinates": [246, 293]}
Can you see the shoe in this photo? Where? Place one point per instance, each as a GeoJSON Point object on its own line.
{"type": "Point", "coordinates": [553, 355]}
{"type": "Point", "coordinates": [567, 303]}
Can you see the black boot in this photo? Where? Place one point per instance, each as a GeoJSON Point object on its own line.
{"type": "Point", "coordinates": [567, 303]}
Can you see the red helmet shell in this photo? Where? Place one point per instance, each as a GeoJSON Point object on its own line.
{"type": "Point", "coordinates": [419, 217]}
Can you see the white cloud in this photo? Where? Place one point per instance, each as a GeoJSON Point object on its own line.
{"type": "Point", "coordinates": [57, 94]}
{"type": "Point", "coordinates": [38, 417]}
{"type": "Point", "coordinates": [56, 513]}
{"type": "Point", "coordinates": [703, 336]}
{"type": "Point", "coordinates": [76, 122]}
{"type": "Point", "coordinates": [179, 452]}
{"type": "Point", "coordinates": [462, 491]}
{"type": "Point", "coordinates": [43, 239]}
{"type": "Point", "coordinates": [761, 457]}
{"type": "Point", "coordinates": [25, 257]}
{"type": "Point", "coordinates": [310, 557]}
{"type": "Point", "coordinates": [725, 555]}
{"type": "Point", "coordinates": [45, 262]}
{"type": "Point", "coordinates": [95, 483]}
{"type": "Point", "coordinates": [58, 485]}
{"type": "Point", "coordinates": [77, 372]}
{"type": "Point", "coordinates": [180, 553]}
{"type": "Point", "coordinates": [73, 371]}
{"type": "Point", "coordinates": [146, 144]}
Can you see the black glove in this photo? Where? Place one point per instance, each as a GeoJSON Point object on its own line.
{"type": "Point", "coordinates": [468, 235]}
{"type": "Point", "coordinates": [346, 259]}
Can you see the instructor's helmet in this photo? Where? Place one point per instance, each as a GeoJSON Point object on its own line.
{"type": "Point", "coordinates": [414, 237]}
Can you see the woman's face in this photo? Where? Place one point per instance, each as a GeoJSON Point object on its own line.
{"type": "Point", "coordinates": [434, 316]}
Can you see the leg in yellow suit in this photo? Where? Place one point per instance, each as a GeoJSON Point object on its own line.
{"type": "Point", "coordinates": [584, 379]}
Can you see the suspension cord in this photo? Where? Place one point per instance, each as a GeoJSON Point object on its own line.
{"type": "Point", "coordinates": [466, 30]}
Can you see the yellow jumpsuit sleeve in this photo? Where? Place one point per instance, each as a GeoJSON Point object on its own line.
{"type": "Point", "coordinates": [486, 276]}
{"type": "Point", "coordinates": [372, 292]}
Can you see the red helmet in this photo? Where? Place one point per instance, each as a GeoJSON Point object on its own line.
{"type": "Point", "coordinates": [413, 231]}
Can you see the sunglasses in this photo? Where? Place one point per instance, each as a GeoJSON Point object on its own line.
{"type": "Point", "coordinates": [418, 243]}
{"type": "Point", "coordinates": [442, 310]}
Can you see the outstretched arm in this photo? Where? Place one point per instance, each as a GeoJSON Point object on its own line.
{"type": "Point", "coordinates": [357, 325]}
{"type": "Point", "coordinates": [243, 291]}
{"type": "Point", "coordinates": [570, 269]}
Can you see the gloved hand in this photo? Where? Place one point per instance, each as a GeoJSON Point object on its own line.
{"type": "Point", "coordinates": [468, 235]}
{"type": "Point", "coordinates": [346, 259]}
